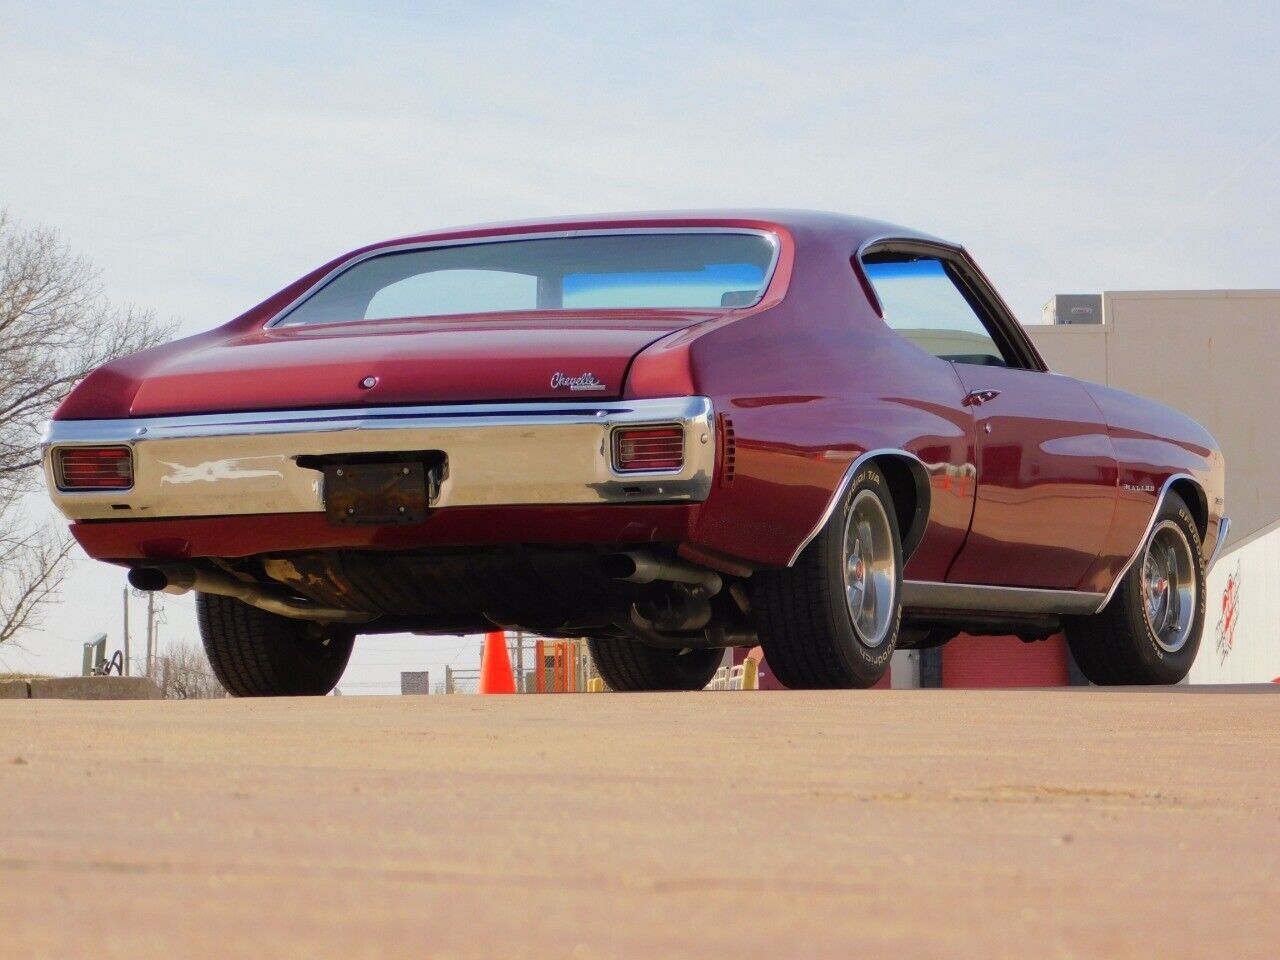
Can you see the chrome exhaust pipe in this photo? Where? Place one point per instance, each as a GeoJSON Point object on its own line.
{"type": "Point", "coordinates": [636, 566]}
{"type": "Point", "coordinates": [182, 578]}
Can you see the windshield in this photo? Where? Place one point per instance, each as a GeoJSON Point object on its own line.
{"type": "Point", "coordinates": [592, 272]}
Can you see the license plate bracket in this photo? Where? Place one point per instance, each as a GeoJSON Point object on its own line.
{"type": "Point", "coordinates": [375, 494]}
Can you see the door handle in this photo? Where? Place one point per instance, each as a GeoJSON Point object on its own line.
{"type": "Point", "coordinates": [976, 398]}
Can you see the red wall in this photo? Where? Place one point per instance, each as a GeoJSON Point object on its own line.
{"type": "Point", "coordinates": [975, 662]}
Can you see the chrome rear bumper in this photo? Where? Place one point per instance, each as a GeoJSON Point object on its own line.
{"type": "Point", "coordinates": [497, 454]}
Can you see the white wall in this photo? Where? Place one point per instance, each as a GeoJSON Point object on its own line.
{"type": "Point", "coordinates": [1241, 642]}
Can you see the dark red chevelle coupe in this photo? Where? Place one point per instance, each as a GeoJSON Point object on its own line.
{"type": "Point", "coordinates": [669, 433]}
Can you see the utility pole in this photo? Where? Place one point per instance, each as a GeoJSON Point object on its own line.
{"type": "Point", "coordinates": [520, 661]}
{"type": "Point", "coordinates": [125, 598]}
{"type": "Point", "coordinates": [151, 635]}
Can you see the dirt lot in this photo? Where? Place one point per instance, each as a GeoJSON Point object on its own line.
{"type": "Point", "coordinates": [903, 823]}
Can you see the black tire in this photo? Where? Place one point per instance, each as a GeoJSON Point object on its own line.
{"type": "Point", "coordinates": [259, 654]}
{"type": "Point", "coordinates": [627, 665]}
{"type": "Point", "coordinates": [803, 617]}
{"type": "Point", "coordinates": [1118, 645]}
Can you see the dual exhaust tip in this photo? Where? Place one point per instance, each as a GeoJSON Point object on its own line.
{"type": "Point", "coordinates": [158, 579]}
{"type": "Point", "coordinates": [181, 578]}
{"type": "Point", "coordinates": [638, 566]}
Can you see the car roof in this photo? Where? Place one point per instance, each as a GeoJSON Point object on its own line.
{"type": "Point", "coordinates": [855, 230]}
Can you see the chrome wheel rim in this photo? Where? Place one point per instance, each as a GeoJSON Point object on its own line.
{"type": "Point", "coordinates": [1169, 586]}
{"type": "Point", "coordinates": [870, 568]}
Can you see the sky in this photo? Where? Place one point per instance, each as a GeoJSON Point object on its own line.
{"type": "Point", "coordinates": [205, 154]}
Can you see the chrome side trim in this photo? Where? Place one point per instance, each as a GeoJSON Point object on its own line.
{"type": "Point", "coordinates": [976, 598]}
{"type": "Point", "coordinates": [1142, 542]}
{"type": "Point", "coordinates": [534, 234]}
{"type": "Point", "coordinates": [497, 454]}
{"type": "Point", "coordinates": [840, 490]}
{"type": "Point", "coordinates": [1224, 528]}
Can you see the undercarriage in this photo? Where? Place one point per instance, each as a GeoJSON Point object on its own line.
{"type": "Point", "coordinates": [648, 595]}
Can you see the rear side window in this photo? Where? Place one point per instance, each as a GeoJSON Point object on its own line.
{"type": "Point", "coordinates": [688, 270]}
{"type": "Point", "coordinates": [923, 304]}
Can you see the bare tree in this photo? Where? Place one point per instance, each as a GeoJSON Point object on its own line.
{"type": "Point", "coordinates": [183, 673]}
{"type": "Point", "coordinates": [55, 327]}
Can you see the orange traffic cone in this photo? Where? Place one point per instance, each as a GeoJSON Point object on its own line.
{"type": "Point", "coordinates": [495, 665]}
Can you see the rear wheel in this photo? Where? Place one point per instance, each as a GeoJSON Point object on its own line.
{"type": "Point", "coordinates": [1149, 632]}
{"type": "Point", "coordinates": [259, 654]}
{"type": "Point", "coordinates": [832, 619]}
{"type": "Point", "coordinates": [627, 665]}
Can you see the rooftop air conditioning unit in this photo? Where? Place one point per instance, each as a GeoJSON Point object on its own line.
{"type": "Point", "coordinates": [1073, 308]}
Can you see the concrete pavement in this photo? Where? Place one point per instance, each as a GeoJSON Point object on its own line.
{"type": "Point", "coordinates": [880, 823]}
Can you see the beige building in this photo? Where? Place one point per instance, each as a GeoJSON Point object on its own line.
{"type": "Point", "coordinates": [1214, 354]}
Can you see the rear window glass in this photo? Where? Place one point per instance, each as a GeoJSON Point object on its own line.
{"type": "Point", "coordinates": [593, 272]}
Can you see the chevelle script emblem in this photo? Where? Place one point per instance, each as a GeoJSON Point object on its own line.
{"type": "Point", "coordinates": [587, 381]}
{"type": "Point", "coordinates": [214, 470]}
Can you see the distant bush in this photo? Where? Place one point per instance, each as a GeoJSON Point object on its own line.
{"type": "Point", "coordinates": [183, 673]}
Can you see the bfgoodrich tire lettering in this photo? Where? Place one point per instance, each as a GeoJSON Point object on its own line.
{"type": "Point", "coordinates": [1122, 645]}
{"type": "Point", "coordinates": [813, 620]}
{"type": "Point", "coordinates": [259, 654]}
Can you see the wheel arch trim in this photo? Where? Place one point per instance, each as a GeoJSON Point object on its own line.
{"type": "Point", "coordinates": [920, 521]}
{"type": "Point", "coordinates": [1168, 485]}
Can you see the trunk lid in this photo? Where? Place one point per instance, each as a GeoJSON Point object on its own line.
{"type": "Point", "coordinates": [439, 360]}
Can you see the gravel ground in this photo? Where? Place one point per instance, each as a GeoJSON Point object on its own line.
{"type": "Point", "coordinates": [1073, 823]}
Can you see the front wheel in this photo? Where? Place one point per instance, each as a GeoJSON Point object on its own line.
{"type": "Point", "coordinates": [1149, 632]}
{"type": "Point", "coordinates": [627, 665]}
{"type": "Point", "coordinates": [832, 619]}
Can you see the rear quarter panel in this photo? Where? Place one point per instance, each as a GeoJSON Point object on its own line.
{"type": "Point", "coordinates": [807, 387]}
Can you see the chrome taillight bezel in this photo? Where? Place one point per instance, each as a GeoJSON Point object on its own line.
{"type": "Point", "coordinates": [620, 434]}
{"type": "Point", "coordinates": [58, 459]}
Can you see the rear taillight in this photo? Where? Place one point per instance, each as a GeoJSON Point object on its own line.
{"type": "Point", "coordinates": [94, 468]}
{"type": "Point", "coordinates": [648, 448]}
